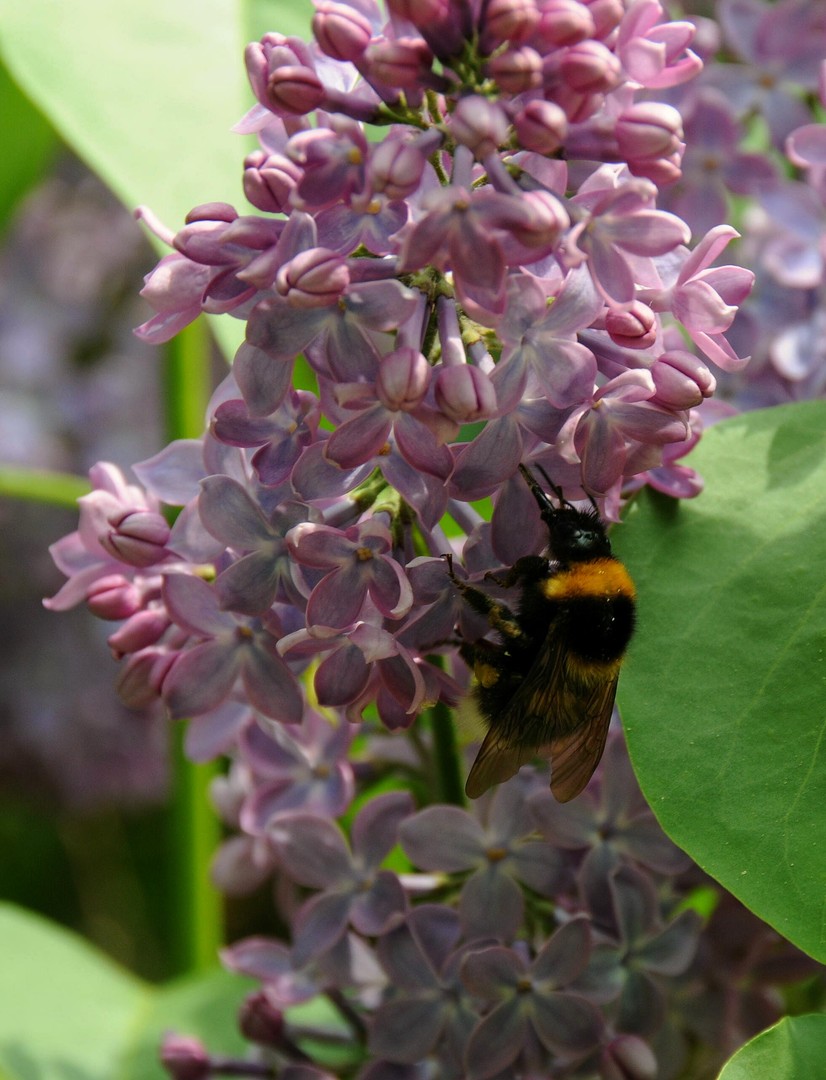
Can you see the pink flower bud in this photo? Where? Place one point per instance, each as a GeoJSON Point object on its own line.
{"type": "Point", "coordinates": [403, 379]}
{"type": "Point", "coordinates": [510, 21]}
{"type": "Point", "coordinates": [588, 67]}
{"type": "Point", "coordinates": [563, 22]}
{"type": "Point", "coordinates": [541, 126]}
{"type": "Point", "coordinates": [479, 124]}
{"type": "Point", "coordinates": [681, 380]}
{"type": "Point", "coordinates": [464, 393]}
{"type": "Point", "coordinates": [140, 678]}
{"type": "Point", "coordinates": [403, 63]}
{"type": "Point", "coordinates": [260, 1021]}
{"type": "Point", "coordinates": [628, 1058]}
{"type": "Point", "coordinates": [649, 129]}
{"type": "Point", "coordinates": [185, 1058]}
{"type": "Point", "coordinates": [137, 538]}
{"type": "Point", "coordinates": [214, 211]}
{"type": "Point", "coordinates": [113, 597]}
{"type": "Point", "coordinates": [396, 168]}
{"type": "Point", "coordinates": [634, 326]}
{"type": "Point", "coordinates": [649, 137]}
{"type": "Point", "coordinates": [142, 629]}
{"type": "Point", "coordinates": [341, 31]}
{"type": "Point", "coordinates": [269, 180]}
{"type": "Point", "coordinates": [516, 70]}
{"type": "Point", "coordinates": [607, 15]}
{"type": "Point", "coordinates": [314, 278]}
{"type": "Point", "coordinates": [295, 90]}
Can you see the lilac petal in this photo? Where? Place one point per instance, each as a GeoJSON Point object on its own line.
{"type": "Point", "coordinates": [670, 952]}
{"type": "Point", "coordinates": [807, 145]}
{"type": "Point", "coordinates": [492, 973]}
{"type": "Point", "coordinates": [567, 1022]}
{"type": "Point", "coordinates": [258, 957]}
{"type": "Point", "coordinates": [567, 825]}
{"type": "Point", "coordinates": [380, 908]}
{"type": "Point", "coordinates": [540, 866]}
{"type": "Point", "coordinates": [229, 513]}
{"type": "Point", "coordinates": [311, 850]}
{"type": "Point", "coordinates": [437, 930]}
{"type": "Point", "coordinates": [270, 684]}
{"type": "Point", "coordinates": [360, 439]}
{"type": "Point", "coordinates": [376, 828]}
{"type": "Point", "coordinates": [443, 838]}
{"type": "Point", "coordinates": [173, 474]}
{"type": "Point", "coordinates": [200, 679]}
{"type": "Point", "coordinates": [420, 448]}
{"type": "Point", "coordinates": [565, 955]}
{"type": "Point", "coordinates": [484, 463]}
{"type": "Point", "coordinates": [342, 677]}
{"type": "Point", "coordinates": [234, 868]}
{"type": "Point", "coordinates": [406, 1030]}
{"type": "Point", "coordinates": [282, 331]}
{"type": "Point", "coordinates": [642, 1004]}
{"type": "Point", "coordinates": [425, 493]}
{"type": "Point", "coordinates": [389, 588]}
{"type": "Point", "coordinates": [402, 957]}
{"type": "Point", "coordinates": [263, 381]}
{"type": "Point", "coordinates": [320, 923]}
{"type": "Point", "coordinates": [193, 605]}
{"type": "Point", "coordinates": [645, 842]}
{"type": "Point", "coordinates": [491, 905]}
{"type": "Point", "coordinates": [249, 585]}
{"type": "Point", "coordinates": [496, 1041]}
{"type": "Point", "coordinates": [338, 598]}
{"type": "Point", "coordinates": [214, 733]}
{"type": "Point", "coordinates": [635, 903]}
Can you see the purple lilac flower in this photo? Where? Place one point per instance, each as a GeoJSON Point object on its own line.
{"type": "Point", "coordinates": [493, 277]}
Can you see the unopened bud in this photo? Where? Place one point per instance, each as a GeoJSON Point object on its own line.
{"type": "Point", "coordinates": [184, 1057]}
{"type": "Point", "coordinates": [294, 90]}
{"type": "Point", "coordinates": [633, 326]}
{"type": "Point", "coordinates": [260, 1021]}
{"type": "Point", "coordinates": [140, 630]}
{"type": "Point", "coordinates": [588, 67]}
{"type": "Point", "coordinates": [269, 180]}
{"type": "Point", "coordinates": [628, 1058]}
{"type": "Point", "coordinates": [403, 379]}
{"type": "Point", "coordinates": [516, 70]}
{"type": "Point", "coordinates": [681, 380]}
{"type": "Point", "coordinates": [541, 126]}
{"type": "Point", "coordinates": [314, 278]}
{"type": "Point", "coordinates": [510, 21]}
{"type": "Point", "coordinates": [403, 63]}
{"type": "Point", "coordinates": [341, 32]}
{"type": "Point", "coordinates": [564, 22]}
{"type": "Point", "coordinates": [479, 124]}
{"type": "Point", "coordinates": [113, 597]}
{"type": "Point", "coordinates": [137, 538]}
{"type": "Point", "coordinates": [464, 393]}
{"type": "Point", "coordinates": [396, 168]}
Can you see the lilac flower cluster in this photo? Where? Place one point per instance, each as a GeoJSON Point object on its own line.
{"type": "Point", "coordinates": [459, 257]}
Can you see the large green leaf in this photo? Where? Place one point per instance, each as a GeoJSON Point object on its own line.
{"type": "Point", "coordinates": [794, 1049]}
{"type": "Point", "coordinates": [146, 92]}
{"type": "Point", "coordinates": [724, 691]}
{"type": "Point", "coordinates": [69, 1012]}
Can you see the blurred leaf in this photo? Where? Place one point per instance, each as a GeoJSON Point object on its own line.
{"type": "Point", "coordinates": [68, 1011]}
{"type": "Point", "coordinates": [28, 143]}
{"type": "Point", "coordinates": [40, 485]}
{"type": "Point", "coordinates": [794, 1049]}
{"type": "Point", "coordinates": [723, 691]}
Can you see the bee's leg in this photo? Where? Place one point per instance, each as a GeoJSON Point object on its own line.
{"type": "Point", "coordinates": [500, 617]}
{"type": "Point", "coordinates": [528, 567]}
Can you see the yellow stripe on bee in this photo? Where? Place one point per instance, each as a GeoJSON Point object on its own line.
{"type": "Point", "coordinates": [601, 578]}
{"type": "Point", "coordinates": [592, 672]}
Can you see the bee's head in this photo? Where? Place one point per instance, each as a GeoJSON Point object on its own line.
{"type": "Point", "coordinates": [575, 535]}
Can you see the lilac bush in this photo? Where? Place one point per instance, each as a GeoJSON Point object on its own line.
{"type": "Point", "coordinates": [460, 261]}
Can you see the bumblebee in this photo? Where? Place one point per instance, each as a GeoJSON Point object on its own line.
{"type": "Point", "coordinates": [546, 688]}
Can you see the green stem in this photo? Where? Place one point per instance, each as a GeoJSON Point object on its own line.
{"type": "Point", "coordinates": [446, 753]}
{"type": "Point", "coordinates": [40, 485]}
{"type": "Point", "coordinates": [196, 831]}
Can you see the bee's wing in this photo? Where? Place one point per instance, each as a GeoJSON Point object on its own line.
{"type": "Point", "coordinates": [555, 715]}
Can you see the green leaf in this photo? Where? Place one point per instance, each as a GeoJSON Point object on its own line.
{"type": "Point", "coordinates": [794, 1049]}
{"type": "Point", "coordinates": [24, 159]}
{"type": "Point", "coordinates": [723, 691]}
{"type": "Point", "coordinates": [68, 1011]}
